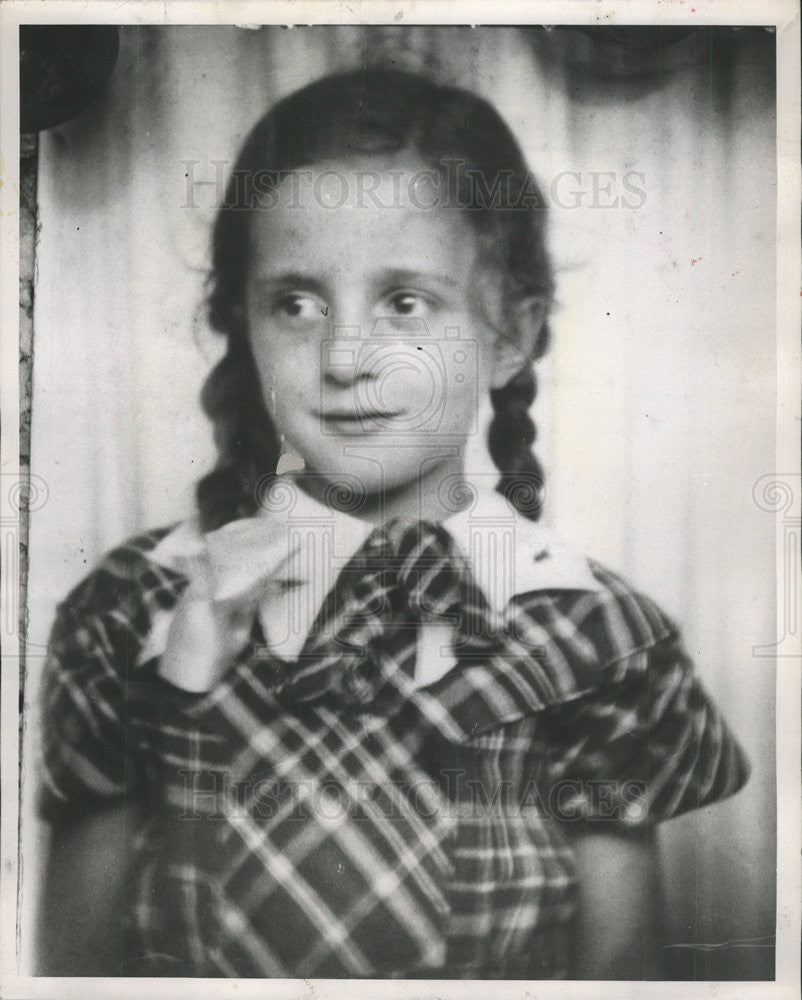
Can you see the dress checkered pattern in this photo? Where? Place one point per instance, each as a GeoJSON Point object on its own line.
{"type": "Point", "coordinates": [327, 818]}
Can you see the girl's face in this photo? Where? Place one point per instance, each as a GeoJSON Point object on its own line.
{"type": "Point", "coordinates": [367, 324]}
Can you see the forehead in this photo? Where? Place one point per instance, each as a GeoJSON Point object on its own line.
{"type": "Point", "coordinates": [366, 212]}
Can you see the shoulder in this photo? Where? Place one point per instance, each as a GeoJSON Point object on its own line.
{"type": "Point", "coordinates": [601, 624]}
{"type": "Point", "coordinates": [576, 599]}
{"type": "Point", "coordinates": [626, 612]}
{"type": "Point", "coordinates": [127, 584]}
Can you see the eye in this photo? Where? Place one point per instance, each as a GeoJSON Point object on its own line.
{"type": "Point", "coordinates": [299, 306]}
{"type": "Point", "coordinates": [409, 304]}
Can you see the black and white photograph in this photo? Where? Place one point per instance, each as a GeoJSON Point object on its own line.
{"type": "Point", "coordinates": [401, 510]}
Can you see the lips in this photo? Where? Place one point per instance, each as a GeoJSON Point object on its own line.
{"type": "Point", "coordinates": [354, 423]}
{"type": "Point", "coordinates": [350, 415]}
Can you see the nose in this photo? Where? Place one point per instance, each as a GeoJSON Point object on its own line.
{"type": "Point", "coordinates": [344, 362]}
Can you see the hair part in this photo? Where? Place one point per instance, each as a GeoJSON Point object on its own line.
{"type": "Point", "coordinates": [366, 113]}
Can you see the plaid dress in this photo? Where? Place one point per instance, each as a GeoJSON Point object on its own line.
{"type": "Point", "coordinates": [328, 818]}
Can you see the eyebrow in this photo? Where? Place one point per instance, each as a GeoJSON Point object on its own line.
{"type": "Point", "coordinates": [288, 279]}
{"type": "Point", "coordinates": [402, 276]}
{"type": "Point", "coordinates": [389, 276]}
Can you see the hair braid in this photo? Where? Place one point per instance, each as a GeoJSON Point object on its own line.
{"type": "Point", "coordinates": [510, 437]}
{"type": "Point", "coordinates": [245, 436]}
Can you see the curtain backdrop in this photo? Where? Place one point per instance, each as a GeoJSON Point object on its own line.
{"type": "Point", "coordinates": [656, 410]}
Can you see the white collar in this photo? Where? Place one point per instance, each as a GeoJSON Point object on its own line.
{"type": "Point", "coordinates": [508, 554]}
{"type": "Point", "coordinates": [295, 539]}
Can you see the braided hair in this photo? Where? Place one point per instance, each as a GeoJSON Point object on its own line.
{"type": "Point", "coordinates": [371, 111]}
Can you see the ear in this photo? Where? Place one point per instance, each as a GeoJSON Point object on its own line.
{"type": "Point", "coordinates": [515, 348]}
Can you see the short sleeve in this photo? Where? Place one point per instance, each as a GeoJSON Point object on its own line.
{"type": "Point", "coordinates": [85, 752]}
{"type": "Point", "coordinates": [91, 749]}
{"type": "Point", "coordinates": [646, 747]}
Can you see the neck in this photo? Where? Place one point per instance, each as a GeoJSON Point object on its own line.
{"type": "Point", "coordinates": [435, 494]}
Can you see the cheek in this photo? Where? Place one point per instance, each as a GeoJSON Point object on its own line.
{"type": "Point", "coordinates": [468, 368]}
{"type": "Point", "coordinates": [285, 367]}
{"type": "Point", "coordinates": [402, 377]}
{"type": "Point", "coordinates": [437, 388]}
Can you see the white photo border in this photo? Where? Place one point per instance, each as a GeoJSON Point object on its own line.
{"type": "Point", "coordinates": [785, 16]}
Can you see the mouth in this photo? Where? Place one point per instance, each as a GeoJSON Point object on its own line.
{"type": "Point", "coordinates": [357, 423]}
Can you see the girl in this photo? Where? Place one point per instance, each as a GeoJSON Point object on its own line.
{"type": "Point", "coordinates": [363, 716]}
